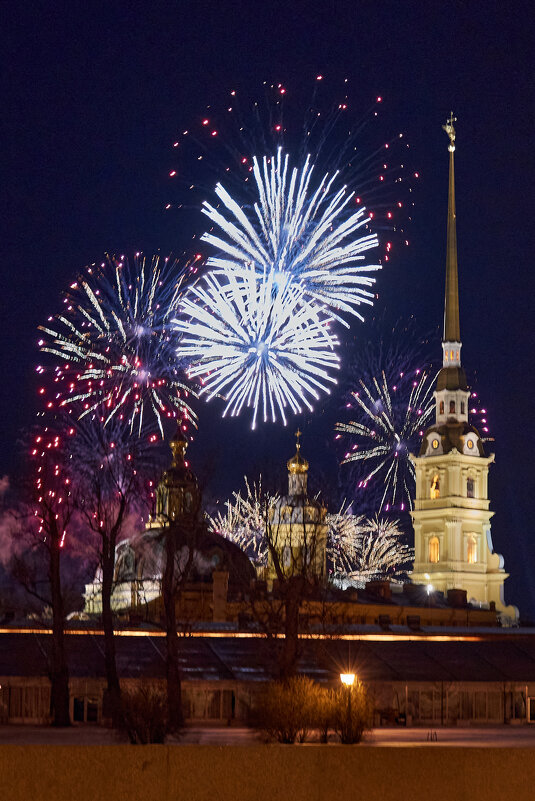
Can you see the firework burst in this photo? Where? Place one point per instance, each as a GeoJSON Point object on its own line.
{"type": "Point", "coordinates": [380, 553]}
{"type": "Point", "coordinates": [297, 231]}
{"type": "Point", "coordinates": [332, 121]}
{"type": "Point", "coordinates": [391, 418]}
{"type": "Point", "coordinates": [244, 521]}
{"type": "Point", "coordinates": [344, 531]}
{"type": "Point", "coordinates": [113, 345]}
{"type": "Point", "coordinates": [255, 340]}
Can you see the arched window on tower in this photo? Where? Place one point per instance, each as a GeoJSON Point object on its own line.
{"type": "Point", "coordinates": [434, 550]}
{"type": "Point", "coordinates": [462, 407]}
{"type": "Point", "coordinates": [452, 407]}
{"type": "Point", "coordinates": [434, 492]}
{"type": "Point", "coordinates": [471, 550]}
{"type": "Point", "coordinates": [470, 488]}
{"type": "Point", "coordinates": [441, 408]}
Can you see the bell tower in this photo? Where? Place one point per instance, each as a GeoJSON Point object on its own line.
{"type": "Point", "coordinates": [451, 517]}
{"type": "Point", "coordinates": [178, 497]}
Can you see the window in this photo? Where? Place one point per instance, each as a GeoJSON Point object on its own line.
{"type": "Point", "coordinates": [471, 550]}
{"type": "Point", "coordinates": [441, 407]}
{"type": "Point", "coordinates": [462, 407]}
{"type": "Point", "coordinates": [452, 407]}
{"type": "Point", "coordinates": [434, 550]}
{"type": "Point", "coordinates": [470, 488]}
{"type": "Point", "coordinates": [434, 492]}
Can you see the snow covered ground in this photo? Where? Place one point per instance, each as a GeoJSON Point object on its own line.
{"type": "Point", "coordinates": [499, 737]}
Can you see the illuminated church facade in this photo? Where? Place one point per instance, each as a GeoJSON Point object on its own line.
{"type": "Point", "coordinates": [451, 517]}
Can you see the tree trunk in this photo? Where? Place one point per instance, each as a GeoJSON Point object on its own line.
{"type": "Point", "coordinates": [290, 648]}
{"type": "Point", "coordinates": [59, 697]}
{"type": "Point", "coordinates": [113, 700]}
{"type": "Point", "coordinates": [174, 687]}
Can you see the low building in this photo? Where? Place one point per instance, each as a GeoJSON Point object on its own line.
{"type": "Point", "coordinates": [438, 676]}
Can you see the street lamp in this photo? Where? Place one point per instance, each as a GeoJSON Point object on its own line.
{"type": "Point", "coordinates": [348, 680]}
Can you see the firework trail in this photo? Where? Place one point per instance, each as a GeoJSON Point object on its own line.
{"type": "Point", "coordinates": [257, 342]}
{"type": "Point", "coordinates": [391, 418]}
{"type": "Point", "coordinates": [113, 345]}
{"type": "Point", "coordinates": [297, 230]}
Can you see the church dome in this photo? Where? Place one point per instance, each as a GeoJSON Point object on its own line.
{"type": "Point", "coordinates": [452, 434]}
{"type": "Point", "coordinates": [298, 463]}
{"type": "Point", "coordinates": [452, 378]}
{"type": "Point", "coordinates": [143, 559]}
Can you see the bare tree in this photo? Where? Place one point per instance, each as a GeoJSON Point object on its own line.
{"type": "Point", "coordinates": [295, 537]}
{"type": "Point", "coordinates": [178, 506]}
{"type": "Point", "coordinates": [111, 490]}
{"type": "Point", "coordinates": [286, 536]}
{"type": "Point", "coordinates": [43, 544]}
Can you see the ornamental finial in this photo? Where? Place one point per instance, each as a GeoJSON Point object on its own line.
{"type": "Point", "coordinates": [297, 464]}
{"type": "Point", "coordinates": [450, 130]}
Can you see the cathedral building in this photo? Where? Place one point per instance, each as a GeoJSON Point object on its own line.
{"type": "Point", "coordinates": [451, 517]}
{"type": "Point", "coordinates": [216, 566]}
{"type": "Point", "coordinates": [297, 529]}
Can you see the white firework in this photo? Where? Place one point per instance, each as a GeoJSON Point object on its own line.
{"type": "Point", "coordinates": [298, 230]}
{"type": "Point", "coordinates": [244, 521]}
{"type": "Point", "coordinates": [380, 553]}
{"type": "Point", "coordinates": [254, 340]}
{"type": "Point", "coordinates": [343, 540]}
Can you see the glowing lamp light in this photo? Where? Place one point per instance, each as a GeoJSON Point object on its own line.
{"type": "Point", "coordinates": [348, 679]}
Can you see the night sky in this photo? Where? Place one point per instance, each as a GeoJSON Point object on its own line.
{"type": "Point", "coordinates": [95, 93]}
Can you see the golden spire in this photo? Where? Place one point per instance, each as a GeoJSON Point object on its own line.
{"type": "Point", "coordinates": [452, 330]}
{"type": "Point", "coordinates": [297, 464]}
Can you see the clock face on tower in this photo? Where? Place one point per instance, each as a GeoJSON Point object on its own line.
{"type": "Point", "coordinates": [470, 444]}
{"type": "Point", "coordinates": [434, 444]}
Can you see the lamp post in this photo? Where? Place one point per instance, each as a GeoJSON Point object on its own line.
{"type": "Point", "coordinates": [348, 680]}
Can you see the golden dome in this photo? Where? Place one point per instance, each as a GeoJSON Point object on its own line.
{"type": "Point", "coordinates": [298, 463]}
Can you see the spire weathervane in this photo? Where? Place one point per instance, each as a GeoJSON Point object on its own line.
{"type": "Point", "coordinates": [450, 130]}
